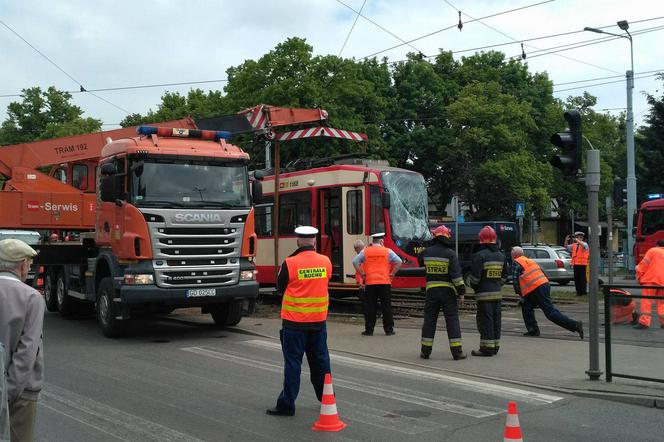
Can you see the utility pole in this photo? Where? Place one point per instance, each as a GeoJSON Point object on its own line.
{"type": "Point", "coordinates": [592, 186]}
{"type": "Point", "coordinates": [609, 238]}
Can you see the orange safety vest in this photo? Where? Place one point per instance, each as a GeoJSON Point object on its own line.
{"type": "Point", "coordinates": [377, 265]}
{"type": "Point", "coordinates": [580, 255]}
{"type": "Point", "coordinates": [532, 276]}
{"type": "Point", "coordinates": [650, 270]}
{"type": "Point", "coordinates": [306, 298]}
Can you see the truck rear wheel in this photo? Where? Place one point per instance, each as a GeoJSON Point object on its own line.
{"type": "Point", "coordinates": [228, 314]}
{"type": "Point", "coordinates": [49, 293]}
{"type": "Point", "coordinates": [65, 303]}
{"type": "Point", "coordinates": [107, 310]}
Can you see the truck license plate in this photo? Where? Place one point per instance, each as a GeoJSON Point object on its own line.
{"type": "Point", "coordinates": [195, 293]}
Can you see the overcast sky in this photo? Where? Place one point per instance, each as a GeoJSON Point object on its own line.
{"type": "Point", "coordinates": [104, 44]}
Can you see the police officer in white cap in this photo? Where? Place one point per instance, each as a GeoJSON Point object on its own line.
{"type": "Point", "coordinates": [21, 322]}
{"type": "Point", "coordinates": [380, 266]}
{"type": "Point", "coordinates": [303, 280]}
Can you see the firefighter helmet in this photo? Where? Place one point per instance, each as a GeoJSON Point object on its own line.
{"type": "Point", "coordinates": [487, 235]}
{"type": "Point", "coordinates": [442, 231]}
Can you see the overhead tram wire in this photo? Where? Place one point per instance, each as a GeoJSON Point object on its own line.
{"type": "Point", "coordinates": [359, 13]}
{"type": "Point", "coordinates": [577, 45]}
{"type": "Point", "coordinates": [602, 84]}
{"type": "Point", "coordinates": [357, 16]}
{"type": "Point", "coordinates": [531, 46]}
{"type": "Point", "coordinates": [124, 88]}
{"type": "Point", "coordinates": [455, 25]}
{"type": "Point", "coordinates": [561, 34]}
{"type": "Point", "coordinates": [80, 84]}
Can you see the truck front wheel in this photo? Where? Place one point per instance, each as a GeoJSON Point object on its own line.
{"type": "Point", "coordinates": [107, 310]}
{"type": "Point", "coordinates": [228, 314]}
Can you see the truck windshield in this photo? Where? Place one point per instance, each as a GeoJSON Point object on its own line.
{"type": "Point", "coordinates": [408, 206]}
{"type": "Point", "coordinates": [156, 183]}
{"type": "Point", "coordinates": [653, 221]}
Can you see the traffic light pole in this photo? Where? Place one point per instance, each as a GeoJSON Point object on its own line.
{"type": "Point", "coordinates": [592, 186]}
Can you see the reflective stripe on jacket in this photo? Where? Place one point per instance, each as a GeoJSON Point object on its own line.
{"type": "Point", "coordinates": [486, 273]}
{"type": "Point", "coordinates": [580, 255]}
{"type": "Point", "coordinates": [377, 265]}
{"type": "Point", "coordinates": [306, 298]}
{"type": "Point", "coordinates": [531, 277]}
{"type": "Point", "coordinates": [442, 267]}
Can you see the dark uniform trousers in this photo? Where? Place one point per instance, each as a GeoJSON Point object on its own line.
{"type": "Point", "coordinates": [373, 293]}
{"type": "Point", "coordinates": [540, 297]}
{"type": "Point", "coordinates": [580, 282]}
{"type": "Point", "coordinates": [489, 317]}
{"type": "Point", "coordinates": [295, 343]}
{"type": "Point", "coordinates": [445, 298]}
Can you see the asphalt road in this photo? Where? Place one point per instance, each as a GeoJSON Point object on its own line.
{"type": "Point", "coordinates": [182, 381]}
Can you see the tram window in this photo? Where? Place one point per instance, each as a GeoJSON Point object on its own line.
{"type": "Point", "coordinates": [354, 212]}
{"type": "Point", "coordinates": [294, 210]}
{"type": "Point", "coordinates": [80, 176]}
{"type": "Point", "coordinates": [263, 217]}
{"type": "Point", "coordinates": [376, 213]}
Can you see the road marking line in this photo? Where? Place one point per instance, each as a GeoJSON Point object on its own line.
{"type": "Point", "coordinates": [107, 419]}
{"type": "Point", "coordinates": [436, 402]}
{"type": "Point", "coordinates": [470, 385]}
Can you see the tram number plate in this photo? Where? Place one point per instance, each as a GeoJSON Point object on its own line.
{"type": "Point", "coordinates": [195, 293]}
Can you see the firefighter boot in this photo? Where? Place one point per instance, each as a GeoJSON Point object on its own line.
{"type": "Point", "coordinates": [425, 352]}
{"type": "Point", "coordinates": [457, 353]}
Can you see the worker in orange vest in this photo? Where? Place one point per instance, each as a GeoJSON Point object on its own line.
{"type": "Point", "coordinates": [533, 286]}
{"type": "Point", "coordinates": [380, 266]}
{"type": "Point", "coordinates": [303, 279]}
{"type": "Point", "coordinates": [580, 255]}
{"type": "Point", "coordinates": [650, 271]}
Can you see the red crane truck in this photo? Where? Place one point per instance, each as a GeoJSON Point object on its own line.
{"type": "Point", "coordinates": [162, 220]}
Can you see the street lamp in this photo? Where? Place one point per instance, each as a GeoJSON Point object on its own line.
{"type": "Point", "coordinates": [631, 173]}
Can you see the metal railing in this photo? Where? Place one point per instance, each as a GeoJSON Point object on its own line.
{"type": "Point", "coordinates": [613, 298]}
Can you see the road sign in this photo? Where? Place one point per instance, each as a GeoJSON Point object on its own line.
{"type": "Point", "coordinates": [520, 210]}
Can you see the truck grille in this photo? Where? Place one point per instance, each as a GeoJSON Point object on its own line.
{"type": "Point", "coordinates": [195, 255]}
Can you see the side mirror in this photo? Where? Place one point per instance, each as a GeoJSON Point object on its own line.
{"type": "Point", "coordinates": [257, 191]}
{"type": "Point", "coordinates": [633, 231]}
{"type": "Point", "coordinates": [386, 200]}
{"type": "Point", "coordinates": [108, 169]}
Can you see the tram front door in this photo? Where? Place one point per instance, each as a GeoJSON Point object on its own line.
{"type": "Point", "coordinates": [330, 227]}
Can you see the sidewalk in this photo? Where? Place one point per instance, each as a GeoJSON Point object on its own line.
{"type": "Point", "coordinates": [552, 364]}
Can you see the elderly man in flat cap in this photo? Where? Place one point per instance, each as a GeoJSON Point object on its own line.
{"type": "Point", "coordinates": [21, 321]}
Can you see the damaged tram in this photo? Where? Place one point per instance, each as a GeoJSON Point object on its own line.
{"type": "Point", "coordinates": [346, 199]}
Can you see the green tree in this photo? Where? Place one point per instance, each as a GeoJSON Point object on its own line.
{"type": "Point", "coordinates": [44, 114]}
{"type": "Point", "coordinates": [650, 149]}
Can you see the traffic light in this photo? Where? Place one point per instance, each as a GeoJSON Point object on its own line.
{"type": "Point", "coordinates": [619, 192]}
{"type": "Point", "coordinates": [569, 143]}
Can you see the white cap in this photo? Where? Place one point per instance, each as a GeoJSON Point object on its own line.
{"type": "Point", "coordinates": [378, 235]}
{"type": "Point", "coordinates": [15, 250]}
{"type": "Point", "coordinates": [579, 234]}
{"type": "Point", "coordinates": [306, 231]}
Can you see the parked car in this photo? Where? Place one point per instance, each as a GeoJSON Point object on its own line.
{"type": "Point", "coordinates": [555, 261]}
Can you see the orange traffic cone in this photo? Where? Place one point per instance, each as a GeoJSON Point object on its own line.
{"type": "Point", "coordinates": [512, 427]}
{"type": "Point", "coordinates": [329, 418]}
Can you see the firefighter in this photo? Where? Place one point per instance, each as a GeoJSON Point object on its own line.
{"type": "Point", "coordinates": [380, 266]}
{"type": "Point", "coordinates": [487, 270]}
{"type": "Point", "coordinates": [650, 271]}
{"type": "Point", "coordinates": [303, 280]}
{"type": "Point", "coordinates": [580, 255]}
{"type": "Point", "coordinates": [444, 289]}
{"type": "Point", "coordinates": [533, 287]}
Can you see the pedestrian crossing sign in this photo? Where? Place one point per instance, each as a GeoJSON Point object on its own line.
{"type": "Point", "coordinates": [520, 210]}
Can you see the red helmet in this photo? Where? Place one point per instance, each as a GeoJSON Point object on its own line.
{"type": "Point", "coordinates": [487, 235]}
{"type": "Point", "coordinates": [442, 231]}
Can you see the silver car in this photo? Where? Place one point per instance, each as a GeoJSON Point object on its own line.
{"type": "Point", "coordinates": [555, 261]}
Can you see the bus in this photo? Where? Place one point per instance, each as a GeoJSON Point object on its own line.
{"type": "Point", "coordinates": [469, 242]}
{"type": "Point", "coordinates": [346, 199]}
{"type": "Point", "coordinates": [649, 227]}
